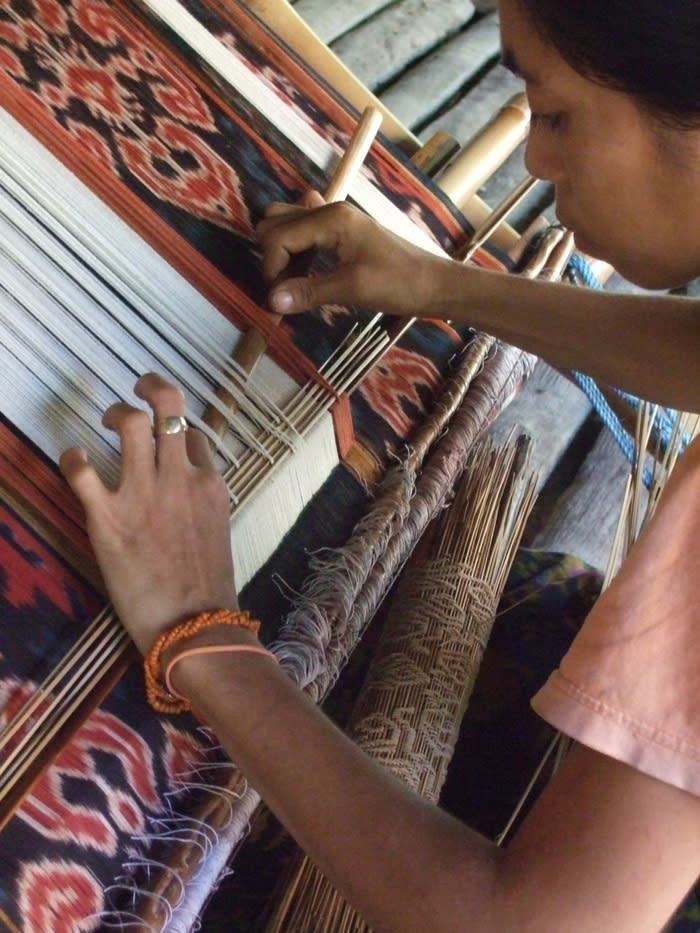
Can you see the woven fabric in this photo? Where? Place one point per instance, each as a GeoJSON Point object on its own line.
{"type": "Point", "coordinates": [192, 168]}
{"type": "Point", "coordinates": [207, 168]}
{"type": "Point", "coordinates": [71, 837]}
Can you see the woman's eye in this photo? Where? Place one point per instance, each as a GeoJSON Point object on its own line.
{"type": "Point", "coordinates": [550, 120]}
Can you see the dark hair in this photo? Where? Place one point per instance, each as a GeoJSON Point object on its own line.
{"type": "Point", "coordinates": [647, 48]}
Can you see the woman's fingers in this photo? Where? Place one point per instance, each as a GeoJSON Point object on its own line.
{"type": "Point", "coordinates": [280, 209]}
{"type": "Point", "coordinates": [81, 477]}
{"type": "Point", "coordinates": [162, 537]}
{"type": "Point", "coordinates": [312, 200]}
{"type": "Point", "coordinates": [172, 434]}
{"type": "Point", "coordinates": [133, 425]}
{"type": "Point", "coordinates": [308, 201]}
{"type": "Point", "coordinates": [175, 444]}
{"type": "Point", "coordinates": [289, 232]}
{"type": "Point", "coordinates": [199, 451]}
{"type": "Point", "coordinates": [332, 227]}
{"type": "Point", "coordinates": [169, 424]}
{"type": "Point", "coordinates": [374, 268]}
{"type": "Point", "coordinates": [165, 398]}
{"type": "Point", "coordinates": [295, 295]}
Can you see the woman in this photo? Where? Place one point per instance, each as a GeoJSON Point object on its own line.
{"type": "Point", "coordinates": [626, 167]}
{"type": "Point", "coordinates": [614, 841]}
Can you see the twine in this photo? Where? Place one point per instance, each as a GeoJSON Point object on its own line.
{"type": "Point", "coordinates": [665, 419]}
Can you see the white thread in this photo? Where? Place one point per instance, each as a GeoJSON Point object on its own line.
{"type": "Point", "coordinates": [63, 327]}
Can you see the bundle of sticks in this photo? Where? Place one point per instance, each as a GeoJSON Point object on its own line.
{"type": "Point", "coordinates": [409, 709]}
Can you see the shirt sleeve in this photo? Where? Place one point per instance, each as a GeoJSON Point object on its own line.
{"type": "Point", "coordinates": [629, 686]}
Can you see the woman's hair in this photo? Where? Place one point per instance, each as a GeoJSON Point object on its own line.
{"type": "Point", "coordinates": [647, 48]}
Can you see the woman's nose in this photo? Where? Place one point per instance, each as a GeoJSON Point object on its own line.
{"type": "Point", "coordinates": [542, 158]}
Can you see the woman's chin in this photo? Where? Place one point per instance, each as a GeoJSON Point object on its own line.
{"type": "Point", "coordinates": [586, 246]}
{"type": "Point", "coordinates": [644, 271]}
{"type": "Point", "coordinates": [639, 271]}
{"type": "Point", "coordinates": [649, 276]}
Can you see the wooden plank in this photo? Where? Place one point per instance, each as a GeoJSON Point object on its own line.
{"type": "Point", "coordinates": [331, 20]}
{"type": "Point", "coordinates": [389, 42]}
{"type": "Point", "coordinates": [419, 93]}
{"type": "Point", "coordinates": [285, 21]}
{"type": "Point", "coordinates": [584, 519]}
{"type": "Point", "coordinates": [551, 409]}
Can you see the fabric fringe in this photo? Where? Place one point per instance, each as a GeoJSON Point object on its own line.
{"type": "Point", "coordinates": [346, 586]}
{"type": "Point", "coordinates": [427, 663]}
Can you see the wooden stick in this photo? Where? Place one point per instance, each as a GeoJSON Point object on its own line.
{"type": "Point", "coordinates": [282, 18]}
{"type": "Point", "coordinates": [497, 216]}
{"type": "Point", "coordinates": [253, 344]}
{"type": "Point", "coordinates": [354, 155]}
{"type": "Point", "coordinates": [436, 153]}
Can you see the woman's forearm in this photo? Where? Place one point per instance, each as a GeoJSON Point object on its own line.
{"type": "Point", "coordinates": [407, 866]}
{"type": "Point", "coordinates": [403, 863]}
{"type": "Point", "coordinates": [648, 345]}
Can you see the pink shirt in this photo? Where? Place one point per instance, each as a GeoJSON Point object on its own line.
{"type": "Point", "coordinates": [630, 684]}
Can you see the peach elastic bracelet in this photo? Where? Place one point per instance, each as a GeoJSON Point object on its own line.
{"type": "Point", "coordinates": [210, 649]}
{"type": "Point", "coordinates": [159, 692]}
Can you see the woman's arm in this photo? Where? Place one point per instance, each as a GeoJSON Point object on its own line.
{"type": "Point", "coordinates": [648, 345]}
{"type": "Point", "coordinates": [605, 849]}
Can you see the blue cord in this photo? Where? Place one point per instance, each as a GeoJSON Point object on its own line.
{"type": "Point", "coordinates": [581, 273]}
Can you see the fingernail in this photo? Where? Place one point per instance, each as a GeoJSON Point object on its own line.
{"type": "Point", "coordinates": [281, 301]}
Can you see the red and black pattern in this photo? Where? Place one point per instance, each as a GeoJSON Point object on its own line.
{"type": "Point", "coordinates": [192, 168]}
{"type": "Point", "coordinates": [68, 840]}
{"type": "Point", "coordinates": [205, 165]}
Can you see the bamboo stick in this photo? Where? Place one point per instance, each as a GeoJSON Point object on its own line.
{"type": "Point", "coordinates": [253, 344]}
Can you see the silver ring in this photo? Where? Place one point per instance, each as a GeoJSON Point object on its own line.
{"type": "Point", "coordinates": [169, 424]}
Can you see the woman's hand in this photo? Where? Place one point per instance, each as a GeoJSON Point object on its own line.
{"type": "Point", "coordinates": [162, 536]}
{"type": "Point", "coordinates": [375, 268]}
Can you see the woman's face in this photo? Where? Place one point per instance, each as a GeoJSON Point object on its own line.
{"type": "Point", "coordinates": [627, 188]}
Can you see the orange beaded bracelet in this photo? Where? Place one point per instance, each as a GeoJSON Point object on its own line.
{"type": "Point", "coordinates": [158, 689]}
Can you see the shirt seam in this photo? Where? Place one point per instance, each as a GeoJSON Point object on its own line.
{"type": "Point", "coordinates": [654, 734]}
